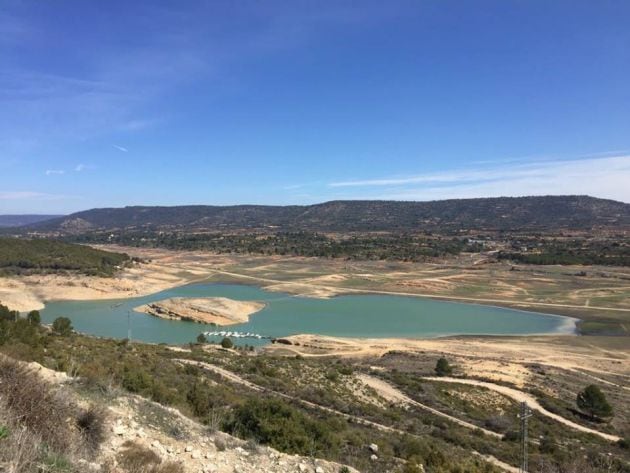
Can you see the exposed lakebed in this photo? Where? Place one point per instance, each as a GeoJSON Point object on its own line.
{"type": "Point", "coordinates": [369, 316]}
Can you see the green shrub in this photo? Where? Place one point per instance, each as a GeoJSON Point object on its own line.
{"type": "Point", "coordinates": [593, 401]}
{"type": "Point", "coordinates": [443, 368]}
{"type": "Point", "coordinates": [62, 326]}
{"type": "Point", "coordinates": [136, 380]}
{"type": "Point", "coordinates": [276, 423]}
{"type": "Point", "coordinates": [34, 317]}
{"type": "Point", "coordinates": [199, 399]}
{"type": "Point", "coordinates": [227, 343]}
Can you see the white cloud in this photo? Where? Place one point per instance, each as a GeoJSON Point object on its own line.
{"type": "Point", "coordinates": [80, 167]}
{"type": "Point", "coordinates": [52, 172]}
{"type": "Point", "coordinates": [599, 177]}
{"type": "Point", "coordinates": [121, 148]}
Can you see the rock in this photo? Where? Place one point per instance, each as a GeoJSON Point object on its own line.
{"type": "Point", "coordinates": [195, 455]}
{"type": "Point", "coordinates": [373, 448]}
{"type": "Point", "coordinates": [188, 449]}
{"type": "Point", "coordinates": [319, 469]}
{"type": "Point", "coordinates": [302, 467]}
{"type": "Point", "coordinates": [119, 429]}
{"type": "Point", "coordinates": [373, 457]}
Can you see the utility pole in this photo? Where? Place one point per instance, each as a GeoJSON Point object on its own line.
{"type": "Point", "coordinates": [129, 325]}
{"type": "Point", "coordinates": [525, 414]}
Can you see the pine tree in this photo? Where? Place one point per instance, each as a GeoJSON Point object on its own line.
{"type": "Point", "coordinates": [593, 401]}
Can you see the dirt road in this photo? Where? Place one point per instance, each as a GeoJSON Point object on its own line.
{"type": "Point", "coordinates": [531, 401]}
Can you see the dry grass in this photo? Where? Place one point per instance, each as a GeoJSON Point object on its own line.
{"type": "Point", "coordinates": [45, 429]}
{"type": "Point", "coordinates": [134, 458]}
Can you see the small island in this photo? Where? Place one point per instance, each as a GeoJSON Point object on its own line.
{"type": "Point", "coordinates": [218, 311]}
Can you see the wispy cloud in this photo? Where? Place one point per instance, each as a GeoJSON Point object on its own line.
{"type": "Point", "coordinates": [80, 167]}
{"type": "Point", "coordinates": [601, 177]}
{"type": "Point", "coordinates": [121, 148]}
{"type": "Point", "coordinates": [53, 172]}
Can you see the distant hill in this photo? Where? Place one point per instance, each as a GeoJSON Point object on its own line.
{"type": "Point", "coordinates": [23, 256]}
{"type": "Point", "coordinates": [20, 220]}
{"type": "Point", "coordinates": [503, 213]}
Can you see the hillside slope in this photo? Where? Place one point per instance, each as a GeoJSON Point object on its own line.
{"type": "Point", "coordinates": [22, 256]}
{"type": "Point", "coordinates": [503, 213]}
{"type": "Point", "coordinates": [20, 220]}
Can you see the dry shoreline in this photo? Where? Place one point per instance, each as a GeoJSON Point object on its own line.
{"type": "Point", "coordinates": [498, 358]}
{"type": "Point", "coordinates": [219, 311]}
{"type": "Point", "coordinates": [168, 269]}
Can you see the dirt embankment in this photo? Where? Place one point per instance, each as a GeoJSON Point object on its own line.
{"type": "Point", "coordinates": [207, 310]}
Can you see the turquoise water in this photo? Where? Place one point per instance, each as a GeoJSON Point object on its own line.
{"type": "Point", "coordinates": [344, 316]}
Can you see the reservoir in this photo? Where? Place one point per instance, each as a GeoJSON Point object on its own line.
{"type": "Point", "coordinates": [368, 316]}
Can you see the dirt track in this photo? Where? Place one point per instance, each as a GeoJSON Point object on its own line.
{"type": "Point", "coordinates": [233, 377]}
{"type": "Point", "coordinates": [531, 401]}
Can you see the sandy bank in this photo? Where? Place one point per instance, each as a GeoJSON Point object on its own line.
{"type": "Point", "coordinates": [503, 359]}
{"type": "Point", "coordinates": [164, 271]}
{"type": "Point", "coordinates": [207, 310]}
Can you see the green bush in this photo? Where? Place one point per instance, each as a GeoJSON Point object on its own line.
{"type": "Point", "coordinates": [227, 343]}
{"type": "Point", "coordinates": [136, 380]}
{"type": "Point", "coordinates": [62, 326]}
{"type": "Point", "coordinates": [34, 317]}
{"type": "Point", "coordinates": [276, 423]}
{"type": "Point", "coordinates": [443, 368]}
{"type": "Point", "coordinates": [593, 401]}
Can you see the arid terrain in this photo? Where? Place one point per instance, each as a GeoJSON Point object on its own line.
{"type": "Point", "coordinates": [208, 310]}
{"type": "Point", "coordinates": [386, 388]}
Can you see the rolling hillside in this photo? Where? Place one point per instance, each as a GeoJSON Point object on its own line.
{"type": "Point", "coordinates": [20, 256]}
{"type": "Point", "coordinates": [503, 213]}
{"type": "Point", "coordinates": [20, 220]}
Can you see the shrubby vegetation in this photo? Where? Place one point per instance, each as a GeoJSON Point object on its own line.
{"type": "Point", "coordinates": [568, 251]}
{"type": "Point", "coordinates": [155, 372]}
{"type": "Point", "coordinates": [400, 247]}
{"type": "Point", "coordinates": [21, 256]}
{"type": "Point", "coordinates": [453, 215]}
{"type": "Point", "coordinates": [41, 427]}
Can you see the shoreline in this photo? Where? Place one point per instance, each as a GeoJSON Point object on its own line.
{"type": "Point", "coordinates": [217, 311]}
{"type": "Point", "coordinates": [170, 269]}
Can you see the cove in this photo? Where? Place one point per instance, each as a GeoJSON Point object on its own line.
{"type": "Point", "coordinates": [368, 316]}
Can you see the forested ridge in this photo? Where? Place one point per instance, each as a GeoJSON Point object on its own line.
{"type": "Point", "coordinates": [22, 256]}
{"type": "Point", "coordinates": [443, 216]}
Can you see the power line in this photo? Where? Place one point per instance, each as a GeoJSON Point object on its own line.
{"type": "Point", "coordinates": [525, 414]}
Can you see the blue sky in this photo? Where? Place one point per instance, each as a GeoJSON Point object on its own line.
{"type": "Point", "coordinates": [223, 102]}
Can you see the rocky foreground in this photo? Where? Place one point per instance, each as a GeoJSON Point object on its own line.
{"type": "Point", "coordinates": [135, 422]}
